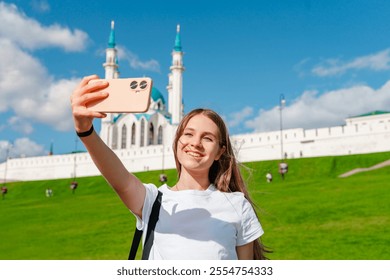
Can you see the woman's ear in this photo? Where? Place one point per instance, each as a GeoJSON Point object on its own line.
{"type": "Point", "coordinates": [221, 151]}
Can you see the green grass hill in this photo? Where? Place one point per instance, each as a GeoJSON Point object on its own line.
{"type": "Point", "coordinates": [312, 214]}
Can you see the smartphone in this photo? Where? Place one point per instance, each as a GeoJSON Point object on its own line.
{"type": "Point", "coordinates": [126, 95]}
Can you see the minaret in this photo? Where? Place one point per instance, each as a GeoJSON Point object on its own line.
{"type": "Point", "coordinates": [111, 72]}
{"type": "Point", "coordinates": [111, 66]}
{"type": "Point", "coordinates": [175, 85]}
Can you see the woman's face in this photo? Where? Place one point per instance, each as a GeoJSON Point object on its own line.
{"type": "Point", "coordinates": [198, 145]}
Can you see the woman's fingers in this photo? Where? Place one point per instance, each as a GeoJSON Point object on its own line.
{"type": "Point", "coordinates": [87, 79]}
{"type": "Point", "coordinates": [85, 113]}
{"type": "Point", "coordinates": [86, 86]}
{"type": "Point", "coordinates": [95, 85]}
{"type": "Point", "coordinates": [82, 100]}
{"type": "Point", "coordinates": [88, 90]}
{"type": "Point", "coordinates": [90, 83]}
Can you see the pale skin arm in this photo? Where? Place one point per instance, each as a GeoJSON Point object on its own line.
{"type": "Point", "coordinates": [127, 186]}
{"type": "Point", "coordinates": [245, 252]}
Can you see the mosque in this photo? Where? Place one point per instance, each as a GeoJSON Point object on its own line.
{"type": "Point", "coordinates": [156, 126]}
{"type": "Point", "coordinates": [144, 141]}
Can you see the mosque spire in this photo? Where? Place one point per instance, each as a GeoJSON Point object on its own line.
{"type": "Point", "coordinates": [175, 86]}
{"type": "Point", "coordinates": [177, 40]}
{"type": "Point", "coordinates": [111, 72]}
{"type": "Point", "coordinates": [111, 39]}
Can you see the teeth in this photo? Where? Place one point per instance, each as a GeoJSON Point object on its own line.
{"type": "Point", "coordinates": [193, 154]}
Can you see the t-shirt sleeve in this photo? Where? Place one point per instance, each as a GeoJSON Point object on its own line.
{"type": "Point", "coordinates": [150, 197]}
{"type": "Point", "coordinates": [250, 226]}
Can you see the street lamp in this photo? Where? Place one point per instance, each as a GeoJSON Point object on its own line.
{"type": "Point", "coordinates": [9, 146]}
{"type": "Point", "coordinates": [283, 167]}
{"type": "Point", "coordinates": [282, 102]}
{"type": "Point", "coordinates": [4, 187]}
{"type": "Point", "coordinates": [74, 159]}
{"type": "Point", "coordinates": [74, 184]}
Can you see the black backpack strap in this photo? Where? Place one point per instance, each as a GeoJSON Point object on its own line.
{"type": "Point", "coordinates": [149, 234]}
{"type": "Point", "coordinates": [135, 243]}
{"type": "Point", "coordinates": [151, 226]}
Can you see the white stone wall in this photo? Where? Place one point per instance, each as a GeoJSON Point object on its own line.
{"type": "Point", "coordinates": [359, 137]}
{"type": "Point", "coordinates": [63, 166]}
{"type": "Point", "coordinates": [367, 135]}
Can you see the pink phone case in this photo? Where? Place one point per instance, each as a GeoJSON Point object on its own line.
{"type": "Point", "coordinates": [129, 95]}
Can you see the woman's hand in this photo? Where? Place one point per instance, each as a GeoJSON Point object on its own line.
{"type": "Point", "coordinates": [83, 94]}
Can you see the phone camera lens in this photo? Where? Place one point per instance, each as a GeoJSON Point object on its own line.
{"type": "Point", "coordinates": [143, 84]}
{"type": "Point", "coordinates": [133, 85]}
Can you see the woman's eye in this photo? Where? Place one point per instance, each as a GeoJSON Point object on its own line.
{"type": "Point", "coordinates": [207, 139]}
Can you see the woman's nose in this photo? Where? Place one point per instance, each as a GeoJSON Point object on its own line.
{"type": "Point", "coordinates": [196, 141]}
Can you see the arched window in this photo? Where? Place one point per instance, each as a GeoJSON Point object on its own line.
{"type": "Point", "coordinates": [133, 134]}
{"type": "Point", "coordinates": [142, 142]}
{"type": "Point", "coordinates": [114, 145]}
{"type": "Point", "coordinates": [124, 137]}
{"type": "Point", "coordinates": [160, 135]}
{"type": "Point", "coordinates": [151, 134]}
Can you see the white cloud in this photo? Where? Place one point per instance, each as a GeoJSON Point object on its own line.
{"type": "Point", "coordinates": [30, 92]}
{"type": "Point", "coordinates": [21, 75]}
{"type": "Point", "coordinates": [378, 62]}
{"type": "Point", "coordinates": [28, 33]}
{"type": "Point", "coordinates": [21, 125]}
{"type": "Point", "coordinates": [26, 87]}
{"type": "Point", "coordinates": [237, 118]}
{"type": "Point", "coordinates": [135, 62]}
{"type": "Point", "coordinates": [55, 109]}
{"type": "Point", "coordinates": [312, 110]}
{"type": "Point", "coordinates": [22, 147]}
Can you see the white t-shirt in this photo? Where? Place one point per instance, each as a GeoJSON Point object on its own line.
{"type": "Point", "coordinates": [201, 225]}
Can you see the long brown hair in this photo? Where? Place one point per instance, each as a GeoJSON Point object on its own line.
{"type": "Point", "coordinates": [224, 173]}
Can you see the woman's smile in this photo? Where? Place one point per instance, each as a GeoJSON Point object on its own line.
{"type": "Point", "coordinates": [193, 154]}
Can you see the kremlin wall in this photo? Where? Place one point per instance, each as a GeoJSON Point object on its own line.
{"type": "Point", "coordinates": [368, 133]}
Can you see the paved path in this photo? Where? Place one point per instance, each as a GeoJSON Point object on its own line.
{"type": "Point", "coordinates": [358, 170]}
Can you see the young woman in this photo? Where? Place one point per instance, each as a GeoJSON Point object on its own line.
{"type": "Point", "coordinates": [207, 214]}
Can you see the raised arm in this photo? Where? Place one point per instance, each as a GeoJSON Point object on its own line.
{"type": "Point", "coordinates": [127, 186]}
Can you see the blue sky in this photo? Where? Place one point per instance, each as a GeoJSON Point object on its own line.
{"type": "Point", "coordinates": [330, 60]}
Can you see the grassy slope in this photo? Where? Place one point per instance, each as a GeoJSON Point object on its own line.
{"type": "Point", "coordinates": [311, 215]}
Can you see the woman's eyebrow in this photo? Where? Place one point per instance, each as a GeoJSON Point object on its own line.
{"type": "Point", "coordinates": [203, 132]}
{"type": "Point", "coordinates": [209, 133]}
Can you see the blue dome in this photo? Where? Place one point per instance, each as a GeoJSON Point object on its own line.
{"type": "Point", "coordinates": [156, 95]}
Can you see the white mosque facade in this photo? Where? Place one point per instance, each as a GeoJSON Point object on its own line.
{"type": "Point", "coordinates": [144, 141]}
{"type": "Point", "coordinates": [156, 126]}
